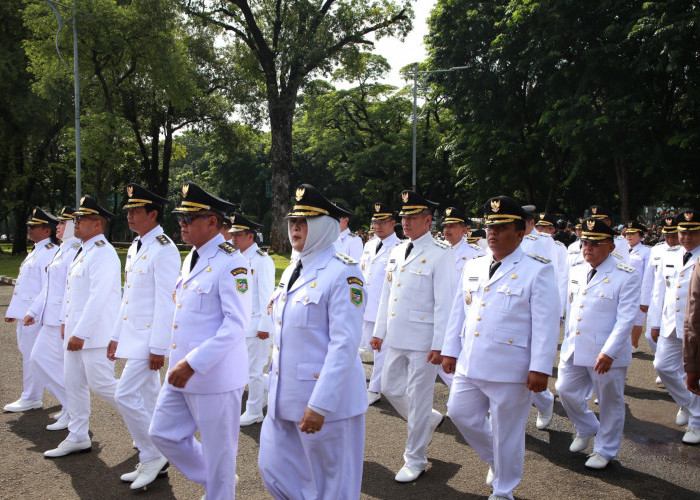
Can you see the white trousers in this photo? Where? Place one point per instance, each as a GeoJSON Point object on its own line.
{"type": "Point", "coordinates": [573, 386]}
{"type": "Point", "coordinates": [668, 362]}
{"type": "Point", "coordinates": [326, 465]}
{"type": "Point", "coordinates": [375, 379]}
{"type": "Point", "coordinates": [47, 362]}
{"type": "Point", "coordinates": [84, 370]}
{"type": "Point", "coordinates": [500, 440]}
{"type": "Point", "coordinates": [408, 382]}
{"type": "Point", "coordinates": [211, 463]}
{"type": "Point", "coordinates": [137, 392]}
{"type": "Point", "coordinates": [650, 341]}
{"type": "Point", "coordinates": [258, 356]}
{"type": "Point", "coordinates": [367, 330]}
{"type": "Point", "coordinates": [543, 400]}
{"type": "Point", "coordinates": [32, 388]}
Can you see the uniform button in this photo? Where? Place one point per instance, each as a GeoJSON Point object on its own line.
{"type": "Point", "coordinates": [284, 298]}
{"type": "Point", "coordinates": [199, 289]}
{"type": "Point", "coordinates": [279, 321]}
{"type": "Point", "coordinates": [581, 306]}
{"type": "Point", "coordinates": [124, 318]}
{"type": "Point", "coordinates": [476, 334]}
{"type": "Point", "coordinates": [583, 293]}
{"type": "Point", "coordinates": [30, 297]}
{"type": "Point", "coordinates": [128, 286]}
{"type": "Point", "coordinates": [315, 375]}
{"type": "Point", "coordinates": [67, 301]}
{"type": "Point", "coordinates": [579, 319]}
{"type": "Point", "coordinates": [419, 271]}
{"type": "Point", "coordinates": [306, 299]}
{"type": "Point", "coordinates": [179, 306]}
{"type": "Point", "coordinates": [175, 326]}
{"type": "Point", "coordinates": [66, 315]}
{"type": "Point", "coordinates": [679, 286]}
{"type": "Point", "coordinates": [184, 286]}
{"type": "Point", "coordinates": [678, 310]}
{"type": "Point", "coordinates": [681, 275]}
{"type": "Point", "coordinates": [126, 302]}
{"type": "Point", "coordinates": [510, 341]}
{"type": "Point", "coordinates": [68, 287]}
{"type": "Point", "coordinates": [678, 298]}
{"type": "Point", "coordinates": [402, 269]}
{"type": "Point", "coordinates": [578, 332]}
{"type": "Point", "coordinates": [174, 346]}
{"type": "Point", "coordinates": [464, 258]}
{"type": "Point", "coordinates": [398, 284]}
{"type": "Point", "coordinates": [148, 325]}
{"type": "Point", "coordinates": [395, 299]}
{"type": "Point", "coordinates": [277, 372]}
{"type": "Point", "coordinates": [483, 304]}
{"type": "Point", "coordinates": [421, 318]}
{"type": "Point", "coordinates": [278, 348]}
{"type": "Point", "coordinates": [487, 289]}
{"type": "Point", "coordinates": [393, 313]}
{"type": "Point", "coordinates": [478, 318]}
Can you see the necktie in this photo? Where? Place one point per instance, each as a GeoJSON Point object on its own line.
{"type": "Point", "coordinates": [408, 250]}
{"type": "Point", "coordinates": [195, 258]}
{"type": "Point", "coordinates": [138, 245]}
{"type": "Point", "coordinates": [686, 257]}
{"type": "Point", "coordinates": [591, 273]}
{"type": "Point", "coordinates": [77, 253]}
{"type": "Point", "coordinates": [379, 247]}
{"type": "Point", "coordinates": [295, 274]}
{"type": "Point", "coordinates": [492, 268]}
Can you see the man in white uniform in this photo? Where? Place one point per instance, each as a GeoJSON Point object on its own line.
{"type": "Point", "coordinates": [574, 256]}
{"type": "Point", "coordinates": [508, 304]}
{"type": "Point", "coordinates": [143, 336]}
{"type": "Point", "coordinates": [375, 257]}
{"type": "Point", "coordinates": [30, 283]}
{"type": "Point", "coordinates": [621, 246]}
{"type": "Point", "coordinates": [666, 318]}
{"type": "Point", "coordinates": [208, 362]}
{"type": "Point", "coordinates": [639, 260]}
{"type": "Point", "coordinates": [411, 321]}
{"type": "Point", "coordinates": [348, 243]}
{"type": "Point", "coordinates": [262, 284]}
{"type": "Point", "coordinates": [603, 304]}
{"type": "Point", "coordinates": [89, 312]}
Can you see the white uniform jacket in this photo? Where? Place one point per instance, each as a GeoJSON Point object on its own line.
{"type": "Point", "coordinates": [31, 279]}
{"type": "Point", "coordinates": [544, 245]}
{"type": "Point", "coordinates": [212, 313]}
{"type": "Point", "coordinates": [349, 244]}
{"type": "Point", "coordinates": [639, 260]}
{"type": "Point", "coordinates": [146, 312]}
{"type": "Point", "coordinates": [668, 300]}
{"type": "Point", "coordinates": [622, 249]}
{"type": "Point", "coordinates": [317, 331]}
{"type": "Point", "coordinates": [463, 252]}
{"type": "Point", "coordinates": [93, 292]}
{"type": "Point", "coordinates": [416, 296]}
{"type": "Point", "coordinates": [601, 314]}
{"type": "Point", "coordinates": [373, 266]}
{"type": "Point", "coordinates": [655, 254]}
{"type": "Point", "coordinates": [574, 256]}
{"type": "Point", "coordinates": [46, 309]}
{"type": "Point", "coordinates": [262, 284]}
{"type": "Point", "coordinates": [511, 319]}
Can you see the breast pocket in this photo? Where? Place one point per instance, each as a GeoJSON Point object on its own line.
{"type": "Point", "coordinates": [77, 278]}
{"type": "Point", "coordinates": [205, 300]}
{"type": "Point", "coordinates": [508, 295]}
{"type": "Point", "coordinates": [306, 310]}
{"type": "Point", "coordinates": [141, 276]}
{"type": "Point", "coordinates": [604, 300]}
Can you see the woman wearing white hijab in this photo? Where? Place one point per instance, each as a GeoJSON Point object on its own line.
{"type": "Point", "coordinates": [312, 438]}
{"type": "Point", "coordinates": [47, 354]}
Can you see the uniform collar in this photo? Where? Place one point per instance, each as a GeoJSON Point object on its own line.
{"type": "Point", "coordinates": [151, 235]}
{"type": "Point", "coordinates": [310, 266]}
{"type": "Point", "coordinates": [69, 241]}
{"type": "Point", "coordinates": [42, 243]}
{"type": "Point", "coordinates": [461, 243]}
{"type": "Point", "coordinates": [392, 239]}
{"type": "Point", "coordinates": [507, 263]}
{"type": "Point", "coordinates": [344, 234]}
{"type": "Point", "coordinates": [423, 240]}
{"type": "Point", "coordinates": [87, 245]}
{"type": "Point", "coordinates": [210, 247]}
{"type": "Point", "coordinates": [248, 252]}
{"type": "Point", "coordinates": [534, 232]}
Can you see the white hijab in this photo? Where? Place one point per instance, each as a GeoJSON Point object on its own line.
{"type": "Point", "coordinates": [322, 233]}
{"type": "Point", "coordinates": [68, 232]}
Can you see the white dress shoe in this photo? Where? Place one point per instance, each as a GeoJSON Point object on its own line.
{"type": "Point", "coordinates": [373, 397]}
{"type": "Point", "coordinates": [131, 476]}
{"type": "Point", "coordinates": [691, 436]}
{"type": "Point", "coordinates": [658, 381]}
{"type": "Point", "coordinates": [250, 419]}
{"type": "Point", "coordinates": [66, 447]}
{"type": "Point", "coordinates": [60, 424]}
{"type": "Point", "coordinates": [636, 350]}
{"type": "Point", "coordinates": [543, 419]}
{"type": "Point", "coordinates": [596, 461]}
{"type": "Point", "coordinates": [490, 475]}
{"type": "Point", "coordinates": [436, 420]}
{"type": "Point", "coordinates": [579, 443]}
{"type": "Point", "coordinates": [57, 416]}
{"type": "Point", "coordinates": [682, 416]}
{"type": "Point", "coordinates": [497, 497]}
{"type": "Point", "coordinates": [407, 474]}
{"type": "Point", "coordinates": [149, 471]}
{"type": "Point", "coordinates": [23, 405]}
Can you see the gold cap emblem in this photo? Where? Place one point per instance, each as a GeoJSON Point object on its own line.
{"type": "Point", "coordinates": [541, 216]}
{"type": "Point", "coordinates": [448, 212]}
{"type": "Point", "coordinates": [590, 224]}
{"type": "Point", "coordinates": [300, 193]}
{"type": "Point", "coordinates": [130, 191]}
{"type": "Point", "coordinates": [404, 197]}
{"type": "Point", "coordinates": [594, 210]}
{"type": "Point", "coordinates": [495, 205]}
{"type": "Point", "coordinates": [185, 189]}
{"type": "Point", "coordinates": [82, 200]}
{"type": "Point", "coordinates": [629, 224]}
{"type": "Point", "coordinates": [233, 219]}
{"type": "Point", "coordinates": [688, 216]}
{"type": "Point", "coordinates": [33, 212]}
{"type": "Point", "coordinates": [377, 207]}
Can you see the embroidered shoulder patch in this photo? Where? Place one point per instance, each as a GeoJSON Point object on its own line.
{"type": "Point", "coordinates": [355, 281]}
{"type": "Point", "coordinates": [75, 245]}
{"type": "Point", "coordinates": [530, 237]}
{"type": "Point", "coordinates": [544, 260]}
{"type": "Point", "coordinates": [345, 259]}
{"type": "Point", "coordinates": [476, 247]}
{"type": "Point", "coordinates": [356, 296]}
{"type": "Point", "coordinates": [100, 243]}
{"type": "Point", "coordinates": [239, 270]}
{"type": "Point", "coordinates": [616, 255]}
{"type": "Point", "coordinates": [50, 245]}
{"type": "Point", "coordinates": [625, 267]}
{"type": "Point", "coordinates": [228, 247]}
{"type": "Point", "coordinates": [260, 251]}
{"type": "Point", "coordinates": [442, 244]}
{"type": "Point", "coordinates": [162, 239]}
{"type": "Point", "coordinates": [559, 243]}
{"type": "Point", "coordinates": [242, 285]}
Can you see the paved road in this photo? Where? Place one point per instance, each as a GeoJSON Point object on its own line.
{"type": "Point", "coordinates": [653, 463]}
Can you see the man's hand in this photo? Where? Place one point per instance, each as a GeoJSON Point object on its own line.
{"type": "Point", "coordinates": [449, 364]}
{"type": "Point", "coordinates": [603, 363]}
{"type": "Point", "coordinates": [311, 421]}
{"type": "Point", "coordinates": [156, 361]}
{"type": "Point", "coordinates": [10, 320]}
{"type": "Point", "coordinates": [536, 381]}
{"type": "Point", "coordinates": [28, 320]}
{"type": "Point", "coordinates": [112, 350]}
{"type": "Point", "coordinates": [263, 335]}
{"type": "Point", "coordinates": [180, 374]}
{"type": "Point", "coordinates": [434, 358]}
{"type": "Point", "coordinates": [63, 331]}
{"type": "Point", "coordinates": [644, 308]}
{"type": "Point", "coordinates": [655, 334]}
{"type": "Point", "coordinates": [75, 344]}
{"type": "Point", "coordinates": [691, 382]}
{"type": "Point", "coordinates": [376, 344]}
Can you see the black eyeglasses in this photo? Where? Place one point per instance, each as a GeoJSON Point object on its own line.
{"type": "Point", "coordinates": [78, 218]}
{"type": "Point", "coordinates": [187, 219]}
{"type": "Point", "coordinates": [589, 243]}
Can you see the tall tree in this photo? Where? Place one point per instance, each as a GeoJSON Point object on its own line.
{"type": "Point", "coordinates": [280, 44]}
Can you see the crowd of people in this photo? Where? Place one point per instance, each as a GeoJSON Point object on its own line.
{"type": "Point", "coordinates": [480, 308]}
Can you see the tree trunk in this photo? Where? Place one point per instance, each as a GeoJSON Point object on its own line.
{"type": "Point", "coordinates": [281, 119]}
{"type": "Point", "coordinates": [622, 173]}
{"type": "Point", "coordinates": [19, 244]}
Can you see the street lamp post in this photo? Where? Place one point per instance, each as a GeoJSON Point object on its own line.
{"type": "Point", "coordinates": [415, 101]}
{"type": "Point", "coordinates": [76, 82]}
